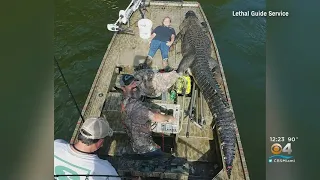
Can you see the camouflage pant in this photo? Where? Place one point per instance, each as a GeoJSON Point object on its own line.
{"type": "Point", "coordinates": [163, 81]}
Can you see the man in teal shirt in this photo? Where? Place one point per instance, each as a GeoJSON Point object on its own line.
{"type": "Point", "coordinates": [81, 158]}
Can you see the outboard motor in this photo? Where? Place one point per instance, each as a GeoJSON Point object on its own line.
{"type": "Point", "coordinates": [124, 15]}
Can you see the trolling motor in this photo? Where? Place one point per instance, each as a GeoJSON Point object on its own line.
{"type": "Point", "coordinates": [124, 15]}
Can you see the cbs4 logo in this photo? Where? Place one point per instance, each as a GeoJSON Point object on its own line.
{"type": "Point", "coordinates": [276, 148]}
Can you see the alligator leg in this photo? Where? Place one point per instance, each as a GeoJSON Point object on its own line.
{"type": "Point", "coordinates": [213, 64]}
{"type": "Point", "coordinates": [214, 67]}
{"type": "Point", "coordinates": [205, 27]}
{"type": "Point", "coordinates": [185, 63]}
{"type": "Point", "coordinates": [179, 36]}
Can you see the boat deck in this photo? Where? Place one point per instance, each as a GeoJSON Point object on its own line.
{"type": "Point", "coordinates": [202, 148]}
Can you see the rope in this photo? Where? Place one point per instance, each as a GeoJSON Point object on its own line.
{"type": "Point", "coordinates": [66, 83]}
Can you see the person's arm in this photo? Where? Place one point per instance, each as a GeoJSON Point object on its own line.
{"type": "Point", "coordinates": [157, 117]}
{"type": "Point", "coordinates": [153, 34]}
{"type": "Point", "coordinates": [173, 35]}
{"type": "Point", "coordinates": [141, 114]}
{"type": "Point", "coordinates": [172, 38]}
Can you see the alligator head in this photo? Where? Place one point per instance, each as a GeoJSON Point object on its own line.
{"type": "Point", "coordinates": [190, 14]}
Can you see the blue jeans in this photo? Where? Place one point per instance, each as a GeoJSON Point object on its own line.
{"type": "Point", "coordinates": [155, 45]}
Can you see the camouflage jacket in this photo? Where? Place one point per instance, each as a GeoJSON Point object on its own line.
{"type": "Point", "coordinates": [152, 84]}
{"type": "Point", "coordinates": [136, 117]}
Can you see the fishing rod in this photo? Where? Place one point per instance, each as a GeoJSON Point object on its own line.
{"type": "Point", "coordinates": [66, 83]}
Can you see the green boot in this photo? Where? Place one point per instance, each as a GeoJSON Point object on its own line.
{"type": "Point", "coordinates": [168, 69]}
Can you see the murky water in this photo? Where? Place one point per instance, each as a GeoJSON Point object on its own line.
{"type": "Point", "coordinates": [81, 40]}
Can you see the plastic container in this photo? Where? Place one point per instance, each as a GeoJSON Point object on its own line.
{"type": "Point", "coordinates": [173, 95]}
{"type": "Point", "coordinates": [145, 26]}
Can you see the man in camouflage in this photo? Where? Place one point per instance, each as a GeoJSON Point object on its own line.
{"type": "Point", "coordinates": [138, 117]}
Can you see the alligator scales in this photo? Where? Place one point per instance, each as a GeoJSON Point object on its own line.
{"type": "Point", "coordinates": [196, 52]}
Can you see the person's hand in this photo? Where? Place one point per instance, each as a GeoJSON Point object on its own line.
{"type": "Point", "coordinates": [171, 119]}
{"type": "Point", "coordinates": [169, 43]}
{"type": "Point", "coordinates": [156, 111]}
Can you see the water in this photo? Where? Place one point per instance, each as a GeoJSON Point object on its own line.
{"type": "Point", "coordinates": [81, 40]}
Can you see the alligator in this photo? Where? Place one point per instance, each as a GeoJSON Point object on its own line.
{"type": "Point", "coordinates": [196, 58]}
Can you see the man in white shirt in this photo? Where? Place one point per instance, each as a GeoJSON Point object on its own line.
{"type": "Point", "coordinates": [81, 158]}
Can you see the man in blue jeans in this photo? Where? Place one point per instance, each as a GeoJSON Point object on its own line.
{"type": "Point", "coordinates": [162, 38]}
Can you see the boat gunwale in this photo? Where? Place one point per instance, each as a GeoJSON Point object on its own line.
{"type": "Point", "coordinates": [105, 58]}
{"type": "Point", "coordinates": [170, 3]}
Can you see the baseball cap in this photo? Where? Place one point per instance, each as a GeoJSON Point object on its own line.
{"type": "Point", "coordinates": [98, 128]}
{"type": "Point", "coordinates": [126, 79]}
